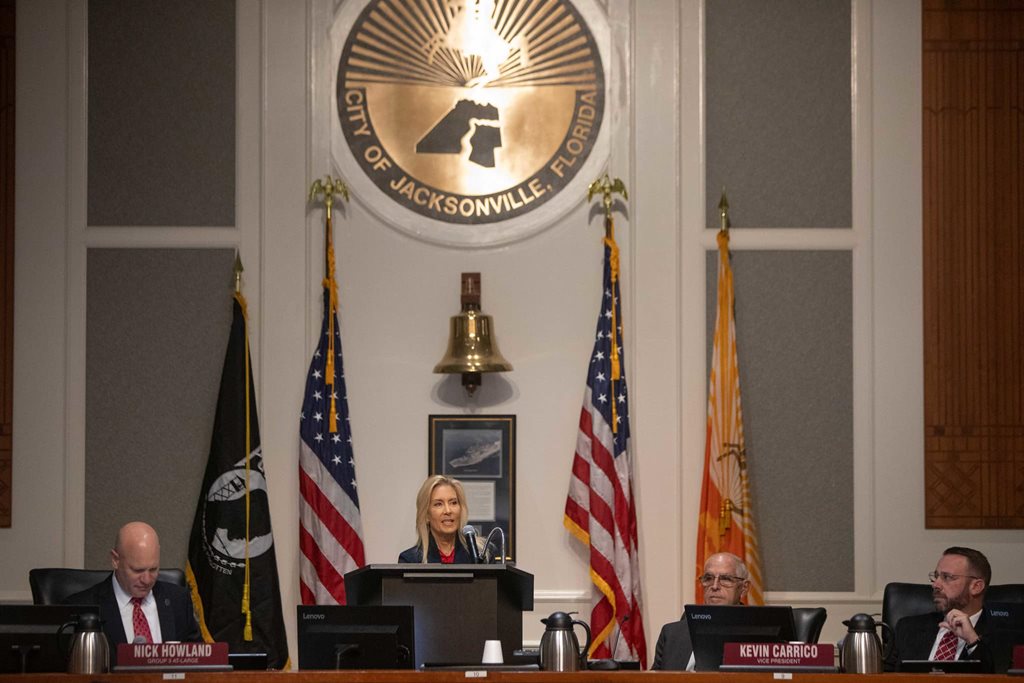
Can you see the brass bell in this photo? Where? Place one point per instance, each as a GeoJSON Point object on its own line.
{"type": "Point", "coordinates": [472, 348]}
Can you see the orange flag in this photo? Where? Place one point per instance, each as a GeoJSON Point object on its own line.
{"type": "Point", "coordinates": [726, 522]}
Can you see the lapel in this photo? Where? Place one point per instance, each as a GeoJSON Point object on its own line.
{"type": "Point", "coordinates": [110, 613]}
{"type": "Point", "coordinates": [433, 552]}
{"type": "Point", "coordinates": [928, 636]}
{"type": "Point", "coordinates": [918, 634]}
{"type": "Point", "coordinates": [163, 608]}
{"type": "Point", "coordinates": [981, 629]}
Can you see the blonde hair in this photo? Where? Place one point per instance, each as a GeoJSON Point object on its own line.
{"type": "Point", "coordinates": [423, 510]}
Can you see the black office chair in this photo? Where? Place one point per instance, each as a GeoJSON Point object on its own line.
{"type": "Point", "coordinates": [808, 622]}
{"type": "Point", "coordinates": [907, 599]}
{"type": "Point", "coordinates": [51, 585]}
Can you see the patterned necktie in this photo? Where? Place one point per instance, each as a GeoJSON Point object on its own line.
{"type": "Point", "coordinates": [139, 622]}
{"type": "Point", "coordinates": [946, 651]}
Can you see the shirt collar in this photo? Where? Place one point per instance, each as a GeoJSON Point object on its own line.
{"type": "Point", "coordinates": [123, 599]}
{"type": "Point", "coordinates": [974, 619]}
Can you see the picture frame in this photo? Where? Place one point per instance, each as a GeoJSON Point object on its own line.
{"type": "Point", "coordinates": [479, 451]}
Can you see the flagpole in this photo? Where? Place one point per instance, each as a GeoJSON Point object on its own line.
{"type": "Point", "coordinates": [607, 186]}
{"type": "Point", "coordinates": [723, 212]}
{"type": "Point", "coordinates": [234, 588]}
{"type": "Point", "coordinates": [330, 526]}
{"type": "Point", "coordinates": [246, 601]}
{"type": "Point", "coordinates": [600, 511]}
{"type": "Point", "coordinates": [327, 187]}
{"type": "Point", "coordinates": [726, 521]}
{"type": "Point", "coordinates": [238, 272]}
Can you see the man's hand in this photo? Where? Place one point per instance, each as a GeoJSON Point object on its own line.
{"type": "Point", "coordinates": [960, 624]}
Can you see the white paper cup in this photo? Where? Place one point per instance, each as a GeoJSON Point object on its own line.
{"type": "Point", "coordinates": [492, 652]}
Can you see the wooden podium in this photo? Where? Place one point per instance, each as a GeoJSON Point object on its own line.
{"type": "Point", "coordinates": [457, 606]}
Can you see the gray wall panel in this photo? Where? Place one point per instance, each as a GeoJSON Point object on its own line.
{"type": "Point", "coordinates": [778, 125]}
{"type": "Point", "coordinates": [161, 112]}
{"type": "Point", "coordinates": [157, 328]}
{"type": "Point", "coordinates": [793, 338]}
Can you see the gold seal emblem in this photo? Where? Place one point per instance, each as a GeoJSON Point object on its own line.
{"type": "Point", "coordinates": [470, 113]}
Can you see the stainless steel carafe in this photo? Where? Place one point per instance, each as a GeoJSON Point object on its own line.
{"type": "Point", "coordinates": [90, 651]}
{"type": "Point", "coordinates": [559, 648]}
{"type": "Point", "coordinates": [861, 651]}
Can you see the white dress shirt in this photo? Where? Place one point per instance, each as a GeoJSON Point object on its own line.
{"type": "Point", "coordinates": [127, 610]}
{"type": "Point", "coordinates": [960, 643]}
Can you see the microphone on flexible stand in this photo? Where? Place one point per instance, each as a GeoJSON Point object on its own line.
{"type": "Point", "coordinates": [469, 531]}
{"type": "Point", "coordinates": [610, 664]}
{"type": "Point", "coordinates": [501, 533]}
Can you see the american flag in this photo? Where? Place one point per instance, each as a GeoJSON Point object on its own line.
{"type": "Point", "coordinates": [600, 509]}
{"type": "Point", "coordinates": [330, 526]}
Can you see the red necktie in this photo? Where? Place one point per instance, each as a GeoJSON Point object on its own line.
{"type": "Point", "coordinates": [946, 651]}
{"type": "Point", "coordinates": [139, 622]}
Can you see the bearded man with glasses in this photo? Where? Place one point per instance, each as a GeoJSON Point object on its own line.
{"type": "Point", "coordinates": [957, 628]}
{"type": "Point", "coordinates": [725, 582]}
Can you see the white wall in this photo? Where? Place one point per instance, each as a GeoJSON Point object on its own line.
{"type": "Point", "coordinates": [36, 537]}
{"type": "Point", "coordinates": [397, 294]}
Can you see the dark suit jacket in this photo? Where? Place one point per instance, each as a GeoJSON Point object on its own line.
{"type": "Point", "coordinates": [915, 636]}
{"type": "Point", "coordinates": [672, 653]}
{"type": "Point", "coordinates": [414, 555]}
{"type": "Point", "coordinates": [173, 604]}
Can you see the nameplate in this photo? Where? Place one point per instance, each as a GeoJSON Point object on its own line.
{"type": "Point", "coordinates": [172, 655]}
{"type": "Point", "coordinates": [778, 654]}
{"type": "Point", "coordinates": [1018, 656]}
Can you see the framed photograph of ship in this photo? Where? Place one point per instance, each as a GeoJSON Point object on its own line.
{"type": "Point", "coordinates": [480, 451]}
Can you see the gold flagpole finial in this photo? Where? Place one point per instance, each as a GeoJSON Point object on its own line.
{"type": "Point", "coordinates": [238, 272]}
{"type": "Point", "coordinates": [607, 187]}
{"type": "Point", "coordinates": [327, 187]}
{"type": "Point", "coordinates": [723, 211]}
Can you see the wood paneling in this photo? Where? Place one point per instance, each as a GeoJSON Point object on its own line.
{"type": "Point", "coordinates": [973, 91]}
{"type": "Point", "coordinates": [6, 252]}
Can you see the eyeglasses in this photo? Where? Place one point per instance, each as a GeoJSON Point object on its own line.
{"type": "Point", "coordinates": [948, 578]}
{"type": "Point", "coordinates": [724, 580]}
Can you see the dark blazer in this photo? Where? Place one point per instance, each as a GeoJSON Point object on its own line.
{"type": "Point", "coordinates": [915, 636]}
{"type": "Point", "coordinates": [672, 653]}
{"type": "Point", "coordinates": [415, 556]}
{"type": "Point", "coordinates": [173, 605]}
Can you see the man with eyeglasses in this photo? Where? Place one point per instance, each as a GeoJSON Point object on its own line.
{"type": "Point", "coordinates": [957, 629]}
{"type": "Point", "coordinates": [725, 582]}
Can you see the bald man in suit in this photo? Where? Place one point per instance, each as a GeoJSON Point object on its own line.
{"type": "Point", "coordinates": [134, 605]}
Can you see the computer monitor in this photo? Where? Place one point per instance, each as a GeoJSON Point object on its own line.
{"type": "Point", "coordinates": [1004, 623]}
{"type": "Point", "coordinates": [28, 636]}
{"type": "Point", "coordinates": [931, 666]}
{"type": "Point", "coordinates": [712, 626]}
{"type": "Point", "coordinates": [356, 637]}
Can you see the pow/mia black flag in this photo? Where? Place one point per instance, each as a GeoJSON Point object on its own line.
{"type": "Point", "coordinates": [232, 568]}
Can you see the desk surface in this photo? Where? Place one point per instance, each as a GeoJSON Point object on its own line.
{"type": "Point", "coordinates": [492, 676]}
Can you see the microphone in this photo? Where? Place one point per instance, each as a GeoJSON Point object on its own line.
{"type": "Point", "coordinates": [469, 531]}
{"type": "Point", "coordinates": [610, 664]}
{"type": "Point", "coordinates": [501, 534]}
{"type": "Point", "coordinates": [618, 634]}
{"type": "Point", "coordinates": [139, 640]}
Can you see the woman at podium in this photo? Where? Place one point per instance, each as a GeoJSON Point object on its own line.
{"type": "Point", "coordinates": [441, 514]}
